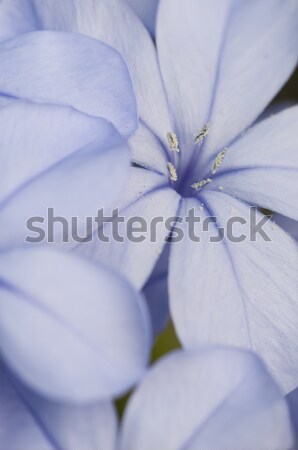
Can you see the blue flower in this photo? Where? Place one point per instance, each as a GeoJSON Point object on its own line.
{"type": "Point", "coordinates": [215, 69]}
{"type": "Point", "coordinates": [215, 398]}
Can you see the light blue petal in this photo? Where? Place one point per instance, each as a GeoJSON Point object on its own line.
{"type": "Point", "coordinates": [237, 293]}
{"type": "Point", "coordinates": [82, 332]}
{"type": "Point", "coordinates": [275, 108]}
{"type": "Point", "coordinates": [211, 399]}
{"type": "Point", "coordinates": [222, 63]}
{"type": "Point", "coordinates": [290, 226]}
{"type": "Point", "coordinates": [69, 69]}
{"type": "Point", "coordinates": [146, 10]}
{"type": "Point", "coordinates": [16, 17]}
{"type": "Point", "coordinates": [262, 166]}
{"type": "Point", "coordinates": [113, 22]}
{"type": "Point", "coordinates": [130, 38]}
{"type": "Point", "coordinates": [29, 422]}
{"type": "Point", "coordinates": [156, 292]}
{"type": "Point", "coordinates": [150, 198]}
{"type": "Point", "coordinates": [148, 151]}
{"type": "Point", "coordinates": [292, 401]}
{"type": "Point", "coordinates": [71, 162]}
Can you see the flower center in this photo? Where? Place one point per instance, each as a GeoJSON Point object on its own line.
{"type": "Point", "coordinates": [172, 166]}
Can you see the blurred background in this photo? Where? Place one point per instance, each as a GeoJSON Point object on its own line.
{"type": "Point", "coordinates": [290, 90]}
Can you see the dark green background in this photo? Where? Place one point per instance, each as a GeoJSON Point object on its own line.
{"type": "Point", "coordinates": [290, 91]}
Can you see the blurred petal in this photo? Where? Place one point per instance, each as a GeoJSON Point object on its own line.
{"type": "Point", "coordinates": [147, 151]}
{"type": "Point", "coordinates": [113, 22]}
{"type": "Point", "coordinates": [73, 163]}
{"type": "Point", "coordinates": [92, 328]}
{"type": "Point", "coordinates": [237, 293]}
{"type": "Point", "coordinates": [262, 166]}
{"type": "Point", "coordinates": [149, 198]}
{"type": "Point", "coordinates": [29, 422]}
{"type": "Point", "coordinates": [146, 10]}
{"type": "Point", "coordinates": [69, 69]}
{"type": "Point", "coordinates": [290, 226]}
{"type": "Point", "coordinates": [35, 137]}
{"type": "Point", "coordinates": [213, 399]}
{"type": "Point", "coordinates": [16, 17]}
{"type": "Point", "coordinates": [292, 400]}
{"type": "Point", "coordinates": [238, 56]}
{"type": "Point", "coordinates": [156, 292]}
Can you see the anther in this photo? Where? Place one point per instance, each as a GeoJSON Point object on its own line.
{"type": "Point", "coordinates": [202, 133]}
{"type": "Point", "coordinates": [172, 172]}
{"type": "Point", "coordinates": [218, 161]}
{"type": "Point", "coordinates": [173, 142]}
{"type": "Point", "coordinates": [201, 184]}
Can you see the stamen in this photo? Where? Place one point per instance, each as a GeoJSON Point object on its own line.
{"type": "Point", "coordinates": [201, 184]}
{"type": "Point", "coordinates": [172, 172]}
{"type": "Point", "coordinates": [202, 133]}
{"type": "Point", "coordinates": [218, 161]}
{"type": "Point", "coordinates": [173, 142]}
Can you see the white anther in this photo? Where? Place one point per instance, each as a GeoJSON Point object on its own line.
{"type": "Point", "coordinates": [218, 161]}
{"type": "Point", "coordinates": [201, 184]}
{"type": "Point", "coordinates": [202, 133]}
{"type": "Point", "coordinates": [172, 172]}
{"type": "Point", "coordinates": [173, 142]}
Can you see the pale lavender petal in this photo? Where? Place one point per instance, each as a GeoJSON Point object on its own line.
{"type": "Point", "coordinates": [29, 422]}
{"type": "Point", "coordinates": [156, 292]}
{"type": "Point", "coordinates": [150, 198]}
{"type": "Point", "coordinates": [292, 400]}
{"type": "Point", "coordinates": [72, 163]}
{"type": "Point", "coordinates": [262, 166]}
{"type": "Point", "coordinates": [16, 17]}
{"type": "Point", "coordinates": [290, 226]}
{"type": "Point", "coordinates": [82, 334]}
{"type": "Point", "coordinates": [113, 22]}
{"type": "Point", "coordinates": [237, 293]}
{"type": "Point", "coordinates": [69, 69]}
{"type": "Point", "coordinates": [210, 399]}
{"type": "Point", "coordinates": [146, 10]}
{"type": "Point", "coordinates": [148, 151]}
